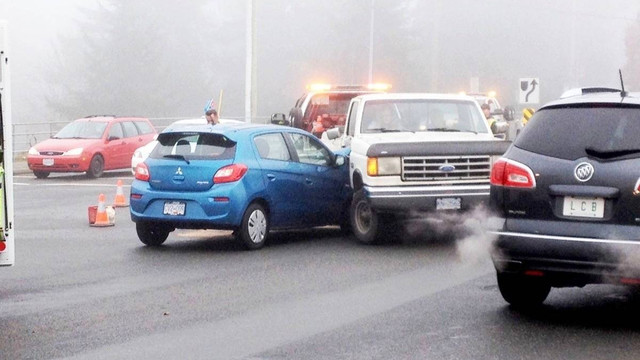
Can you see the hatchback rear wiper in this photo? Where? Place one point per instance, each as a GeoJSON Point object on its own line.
{"type": "Point", "coordinates": [176, 156]}
{"type": "Point", "coordinates": [443, 129]}
{"type": "Point", "coordinates": [610, 154]}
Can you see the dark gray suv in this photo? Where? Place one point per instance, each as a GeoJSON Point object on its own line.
{"type": "Point", "coordinates": [568, 195]}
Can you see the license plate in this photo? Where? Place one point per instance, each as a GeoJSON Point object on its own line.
{"type": "Point", "coordinates": [47, 162]}
{"type": "Point", "coordinates": [448, 203]}
{"type": "Point", "coordinates": [589, 207]}
{"type": "Point", "coordinates": [175, 208]}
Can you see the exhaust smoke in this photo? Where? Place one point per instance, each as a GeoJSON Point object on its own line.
{"type": "Point", "coordinates": [469, 231]}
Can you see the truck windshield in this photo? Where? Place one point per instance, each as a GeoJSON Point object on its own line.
{"type": "Point", "coordinates": [422, 115]}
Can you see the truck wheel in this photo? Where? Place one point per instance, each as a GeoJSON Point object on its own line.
{"type": "Point", "coordinates": [365, 222]}
{"type": "Point", "coordinates": [254, 228]}
{"type": "Point", "coordinates": [151, 234]}
{"type": "Point", "coordinates": [521, 291]}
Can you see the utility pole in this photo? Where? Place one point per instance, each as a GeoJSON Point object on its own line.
{"type": "Point", "coordinates": [435, 49]}
{"type": "Point", "coordinates": [371, 43]}
{"type": "Point", "coordinates": [250, 92]}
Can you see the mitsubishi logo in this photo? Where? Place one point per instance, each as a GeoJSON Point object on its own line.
{"type": "Point", "coordinates": [583, 172]}
{"type": "Point", "coordinates": [179, 171]}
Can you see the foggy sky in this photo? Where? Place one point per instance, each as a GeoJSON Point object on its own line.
{"type": "Point", "coordinates": [434, 46]}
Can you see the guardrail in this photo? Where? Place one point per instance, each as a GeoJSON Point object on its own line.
{"type": "Point", "coordinates": [27, 135]}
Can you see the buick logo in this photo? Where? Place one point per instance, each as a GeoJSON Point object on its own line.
{"type": "Point", "coordinates": [179, 171]}
{"type": "Point", "coordinates": [583, 172]}
{"type": "Point", "coordinates": [447, 168]}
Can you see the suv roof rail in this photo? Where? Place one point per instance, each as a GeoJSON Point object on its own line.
{"type": "Point", "coordinates": [588, 90]}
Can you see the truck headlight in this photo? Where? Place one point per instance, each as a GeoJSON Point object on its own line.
{"type": "Point", "coordinates": [383, 166]}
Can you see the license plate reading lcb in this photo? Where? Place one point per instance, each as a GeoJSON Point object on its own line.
{"type": "Point", "coordinates": [588, 207]}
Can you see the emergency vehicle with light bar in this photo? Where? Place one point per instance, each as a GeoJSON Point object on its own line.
{"type": "Point", "coordinates": [413, 153]}
{"type": "Point", "coordinates": [324, 106]}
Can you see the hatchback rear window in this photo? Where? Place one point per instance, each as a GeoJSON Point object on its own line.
{"type": "Point", "coordinates": [600, 131]}
{"type": "Point", "coordinates": [194, 146]}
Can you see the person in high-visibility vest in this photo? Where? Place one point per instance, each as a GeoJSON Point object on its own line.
{"type": "Point", "coordinates": [527, 113]}
{"type": "Point", "coordinates": [486, 109]}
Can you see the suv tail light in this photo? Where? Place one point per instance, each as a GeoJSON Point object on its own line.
{"type": "Point", "coordinates": [230, 173]}
{"type": "Point", "coordinates": [509, 173]}
{"type": "Point", "coordinates": [142, 172]}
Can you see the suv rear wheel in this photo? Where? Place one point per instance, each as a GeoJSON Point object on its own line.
{"type": "Point", "coordinates": [522, 291]}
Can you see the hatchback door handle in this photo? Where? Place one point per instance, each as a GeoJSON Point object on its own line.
{"type": "Point", "coordinates": [271, 177]}
{"type": "Point", "coordinates": [308, 181]}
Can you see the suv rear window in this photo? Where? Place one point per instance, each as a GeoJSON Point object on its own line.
{"type": "Point", "coordinates": [194, 146]}
{"type": "Point", "coordinates": [601, 131]}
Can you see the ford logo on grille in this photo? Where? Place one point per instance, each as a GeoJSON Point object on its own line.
{"type": "Point", "coordinates": [447, 168]}
{"type": "Point", "coordinates": [583, 172]}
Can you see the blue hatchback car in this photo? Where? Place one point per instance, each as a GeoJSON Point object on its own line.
{"type": "Point", "coordinates": [243, 177]}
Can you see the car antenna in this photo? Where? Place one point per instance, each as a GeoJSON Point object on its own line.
{"type": "Point", "coordinates": [622, 93]}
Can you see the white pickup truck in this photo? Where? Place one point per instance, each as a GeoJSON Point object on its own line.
{"type": "Point", "coordinates": [415, 152]}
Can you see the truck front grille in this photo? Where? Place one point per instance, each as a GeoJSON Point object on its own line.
{"type": "Point", "coordinates": [447, 169]}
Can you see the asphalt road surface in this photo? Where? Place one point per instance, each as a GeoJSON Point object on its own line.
{"type": "Point", "coordinates": [97, 293]}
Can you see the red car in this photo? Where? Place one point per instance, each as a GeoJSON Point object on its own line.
{"type": "Point", "coordinates": [92, 144]}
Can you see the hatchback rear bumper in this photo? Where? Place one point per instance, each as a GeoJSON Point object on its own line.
{"type": "Point", "coordinates": [568, 261]}
{"type": "Point", "coordinates": [220, 208]}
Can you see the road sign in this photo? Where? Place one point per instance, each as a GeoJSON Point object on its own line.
{"type": "Point", "coordinates": [529, 91]}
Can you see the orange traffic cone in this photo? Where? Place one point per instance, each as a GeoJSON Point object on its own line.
{"type": "Point", "coordinates": [120, 199]}
{"type": "Point", "coordinates": [102, 219]}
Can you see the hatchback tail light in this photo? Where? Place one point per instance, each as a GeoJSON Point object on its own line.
{"type": "Point", "coordinates": [509, 173]}
{"type": "Point", "coordinates": [230, 173]}
{"type": "Point", "coordinates": [142, 172]}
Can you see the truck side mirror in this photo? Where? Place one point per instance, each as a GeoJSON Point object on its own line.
{"type": "Point", "coordinates": [509, 113]}
{"type": "Point", "coordinates": [500, 127]}
{"type": "Point", "coordinates": [335, 132]}
{"type": "Point", "coordinates": [279, 119]}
